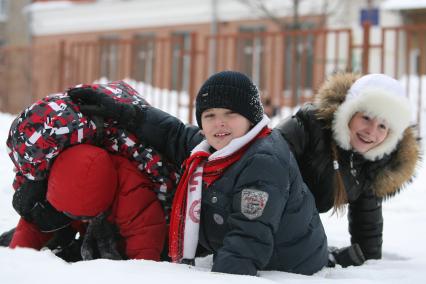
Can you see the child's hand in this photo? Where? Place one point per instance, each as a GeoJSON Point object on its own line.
{"type": "Point", "coordinates": [47, 218]}
{"type": "Point", "coordinates": [96, 103]}
{"type": "Point", "coordinates": [26, 197]}
{"type": "Point", "coordinates": [347, 256]}
{"type": "Point", "coordinates": [100, 240]}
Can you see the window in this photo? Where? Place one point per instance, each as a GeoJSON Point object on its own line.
{"type": "Point", "coordinates": [143, 58]}
{"type": "Point", "coordinates": [250, 53]}
{"type": "Point", "coordinates": [298, 58]}
{"type": "Point", "coordinates": [4, 6]}
{"type": "Point", "coordinates": [109, 57]}
{"type": "Point", "coordinates": [2, 55]}
{"type": "Point", "coordinates": [181, 59]}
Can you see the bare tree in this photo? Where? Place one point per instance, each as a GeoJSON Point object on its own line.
{"type": "Point", "coordinates": [297, 44]}
{"type": "Point", "coordinates": [259, 7]}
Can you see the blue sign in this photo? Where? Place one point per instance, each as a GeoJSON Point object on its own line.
{"type": "Point", "coordinates": [369, 15]}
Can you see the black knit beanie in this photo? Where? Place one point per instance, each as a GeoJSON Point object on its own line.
{"type": "Point", "coordinates": [231, 90]}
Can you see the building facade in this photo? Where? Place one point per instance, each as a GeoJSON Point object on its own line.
{"type": "Point", "coordinates": [287, 47]}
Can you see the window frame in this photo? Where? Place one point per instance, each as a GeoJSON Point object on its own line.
{"type": "Point", "coordinates": [4, 10]}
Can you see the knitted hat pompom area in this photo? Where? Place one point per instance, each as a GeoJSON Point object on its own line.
{"type": "Point", "coordinates": [231, 90]}
{"type": "Point", "coordinates": [379, 96]}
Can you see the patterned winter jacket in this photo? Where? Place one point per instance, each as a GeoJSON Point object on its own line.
{"type": "Point", "coordinates": [54, 123]}
{"type": "Point", "coordinates": [104, 181]}
{"type": "Point", "coordinates": [288, 236]}
{"type": "Point", "coordinates": [308, 133]}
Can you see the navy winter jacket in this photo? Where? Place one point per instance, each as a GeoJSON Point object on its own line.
{"type": "Point", "coordinates": [287, 235]}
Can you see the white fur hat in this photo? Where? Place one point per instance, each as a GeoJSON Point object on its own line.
{"type": "Point", "coordinates": [380, 96]}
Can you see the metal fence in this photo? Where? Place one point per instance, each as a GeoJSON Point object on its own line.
{"type": "Point", "coordinates": [287, 66]}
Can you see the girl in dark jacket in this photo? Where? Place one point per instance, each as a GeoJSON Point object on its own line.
{"type": "Point", "coordinates": [241, 195]}
{"type": "Point", "coordinates": [354, 145]}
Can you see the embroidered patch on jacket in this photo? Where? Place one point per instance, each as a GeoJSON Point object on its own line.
{"type": "Point", "coordinates": [253, 202]}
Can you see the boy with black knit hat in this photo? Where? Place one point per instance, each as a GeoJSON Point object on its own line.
{"type": "Point", "coordinates": [239, 197]}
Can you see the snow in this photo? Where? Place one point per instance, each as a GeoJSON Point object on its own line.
{"type": "Point", "coordinates": [403, 5]}
{"type": "Point", "coordinates": [403, 260]}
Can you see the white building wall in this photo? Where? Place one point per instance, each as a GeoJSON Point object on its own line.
{"type": "Point", "coordinates": [66, 17]}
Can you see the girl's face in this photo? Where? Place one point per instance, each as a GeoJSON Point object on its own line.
{"type": "Point", "coordinates": [366, 132]}
{"type": "Point", "coordinates": [221, 125]}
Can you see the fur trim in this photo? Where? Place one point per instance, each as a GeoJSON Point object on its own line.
{"type": "Point", "coordinates": [404, 159]}
{"type": "Point", "coordinates": [337, 111]}
{"type": "Point", "coordinates": [332, 94]}
{"type": "Point", "coordinates": [401, 168]}
{"type": "Point", "coordinates": [371, 101]}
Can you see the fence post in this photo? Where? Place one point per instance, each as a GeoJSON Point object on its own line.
{"type": "Point", "coordinates": [366, 47]}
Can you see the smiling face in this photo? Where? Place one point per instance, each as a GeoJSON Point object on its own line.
{"type": "Point", "coordinates": [366, 132]}
{"type": "Point", "coordinates": [221, 125]}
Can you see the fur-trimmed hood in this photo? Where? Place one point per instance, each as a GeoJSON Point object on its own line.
{"type": "Point", "coordinates": [403, 160]}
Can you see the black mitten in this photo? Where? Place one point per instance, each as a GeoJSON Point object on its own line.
{"type": "Point", "coordinates": [62, 238]}
{"type": "Point", "coordinates": [94, 102]}
{"type": "Point", "coordinates": [6, 238]}
{"type": "Point", "coordinates": [26, 197]}
{"type": "Point", "coordinates": [347, 256]}
{"type": "Point", "coordinates": [100, 240]}
{"type": "Point", "coordinates": [65, 244]}
{"type": "Point", "coordinates": [47, 218]}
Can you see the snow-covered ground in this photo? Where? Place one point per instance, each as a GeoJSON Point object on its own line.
{"type": "Point", "coordinates": [404, 250]}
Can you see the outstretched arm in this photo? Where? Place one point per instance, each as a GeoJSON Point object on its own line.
{"type": "Point", "coordinates": [366, 224]}
{"type": "Point", "coordinates": [166, 133]}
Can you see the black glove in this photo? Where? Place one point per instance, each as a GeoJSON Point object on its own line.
{"type": "Point", "coordinates": [188, 261]}
{"type": "Point", "coordinates": [100, 240]}
{"type": "Point", "coordinates": [47, 218]}
{"type": "Point", "coordinates": [26, 197]}
{"type": "Point", "coordinates": [66, 245]}
{"type": "Point", "coordinates": [94, 102]}
{"type": "Point", "coordinates": [347, 256]}
{"type": "Point", "coordinates": [6, 238]}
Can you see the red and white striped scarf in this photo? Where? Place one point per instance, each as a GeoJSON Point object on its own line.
{"type": "Point", "coordinates": [200, 167]}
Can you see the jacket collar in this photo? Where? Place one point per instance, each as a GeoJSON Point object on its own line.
{"type": "Point", "coordinates": [235, 144]}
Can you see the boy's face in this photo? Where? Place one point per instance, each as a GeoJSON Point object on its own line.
{"type": "Point", "coordinates": [221, 125]}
